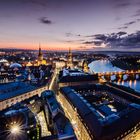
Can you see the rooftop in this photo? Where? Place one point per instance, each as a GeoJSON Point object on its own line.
{"type": "Point", "coordinates": [100, 111]}
{"type": "Point", "coordinates": [75, 75]}
{"type": "Point", "coordinates": [13, 89]}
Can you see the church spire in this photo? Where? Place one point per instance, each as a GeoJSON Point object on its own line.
{"type": "Point", "coordinates": [70, 55]}
{"type": "Point", "coordinates": [69, 50]}
{"type": "Point", "coordinates": [70, 59]}
{"type": "Point", "coordinates": [40, 52]}
{"type": "Point", "coordinates": [40, 55]}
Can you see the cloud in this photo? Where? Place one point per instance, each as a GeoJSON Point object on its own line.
{"type": "Point", "coordinates": [100, 37]}
{"type": "Point", "coordinates": [116, 40]}
{"type": "Point", "coordinates": [98, 43]}
{"type": "Point", "coordinates": [126, 25]}
{"type": "Point", "coordinates": [138, 19]}
{"type": "Point", "coordinates": [137, 13]}
{"type": "Point", "coordinates": [121, 33]}
{"type": "Point", "coordinates": [129, 23]}
{"type": "Point", "coordinates": [69, 34]}
{"type": "Point", "coordinates": [123, 27]}
{"type": "Point", "coordinates": [88, 42]}
{"type": "Point", "coordinates": [89, 36]}
{"type": "Point", "coordinates": [45, 20]}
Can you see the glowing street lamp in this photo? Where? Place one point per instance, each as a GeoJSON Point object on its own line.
{"type": "Point", "coordinates": [15, 129]}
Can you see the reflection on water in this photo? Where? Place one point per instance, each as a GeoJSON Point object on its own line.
{"type": "Point", "coordinates": [103, 66]}
{"type": "Point", "coordinates": [122, 82]}
{"type": "Point", "coordinates": [106, 66]}
{"type": "Point", "coordinates": [135, 83]}
{"type": "Point", "coordinates": [132, 84]}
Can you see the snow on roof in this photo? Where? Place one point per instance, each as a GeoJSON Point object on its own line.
{"type": "Point", "coordinates": [15, 65]}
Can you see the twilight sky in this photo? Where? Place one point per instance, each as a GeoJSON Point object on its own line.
{"type": "Point", "coordinates": [79, 24]}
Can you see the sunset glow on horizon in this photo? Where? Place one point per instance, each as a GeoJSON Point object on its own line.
{"type": "Point", "coordinates": [35, 46]}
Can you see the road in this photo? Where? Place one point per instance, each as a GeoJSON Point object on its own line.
{"type": "Point", "coordinates": [44, 128]}
{"type": "Point", "coordinates": [54, 82]}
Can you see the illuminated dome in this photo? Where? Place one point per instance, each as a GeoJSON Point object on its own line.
{"type": "Point", "coordinates": [3, 61]}
{"type": "Point", "coordinates": [15, 65]}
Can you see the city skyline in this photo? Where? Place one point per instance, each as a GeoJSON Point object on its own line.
{"type": "Point", "coordinates": [79, 24]}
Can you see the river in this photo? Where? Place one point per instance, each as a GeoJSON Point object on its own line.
{"type": "Point", "coordinates": [132, 84]}
{"type": "Point", "coordinates": [106, 66]}
{"type": "Point", "coordinates": [102, 66]}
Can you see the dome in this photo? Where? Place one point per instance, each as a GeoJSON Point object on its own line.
{"type": "Point", "coordinates": [15, 65]}
{"type": "Point", "coordinates": [3, 61]}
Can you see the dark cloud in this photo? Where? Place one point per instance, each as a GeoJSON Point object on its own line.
{"type": "Point", "coordinates": [117, 40]}
{"type": "Point", "coordinates": [126, 25]}
{"type": "Point", "coordinates": [121, 33]}
{"type": "Point", "coordinates": [45, 20]}
{"type": "Point", "coordinates": [100, 37]}
{"type": "Point", "coordinates": [122, 28]}
{"type": "Point", "coordinates": [98, 43]}
{"type": "Point", "coordinates": [128, 41]}
{"type": "Point", "coordinates": [129, 23]}
{"type": "Point", "coordinates": [88, 42]}
{"type": "Point", "coordinates": [69, 34]}
{"type": "Point", "coordinates": [138, 19]}
{"type": "Point", "coordinates": [79, 35]}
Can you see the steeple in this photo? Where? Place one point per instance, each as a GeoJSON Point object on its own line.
{"type": "Point", "coordinates": [70, 59]}
{"type": "Point", "coordinates": [40, 55]}
{"type": "Point", "coordinates": [70, 56]}
{"type": "Point", "coordinates": [85, 67]}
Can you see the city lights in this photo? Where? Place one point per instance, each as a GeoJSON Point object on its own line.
{"type": "Point", "coordinates": [15, 129]}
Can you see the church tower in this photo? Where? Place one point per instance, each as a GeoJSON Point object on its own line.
{"type": "Point", "coordinates": [85, 67]}
{"type": "Point", "coordinates": [70, 56]}
{"type": "Point", "coordinates": [40, 55]}
{"type": "Point", "coordinates": [70, 59]}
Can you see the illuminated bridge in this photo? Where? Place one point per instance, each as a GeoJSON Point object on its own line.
{"type": "Point", "coordinates": [121, 75]}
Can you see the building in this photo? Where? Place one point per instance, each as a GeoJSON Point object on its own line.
{"type": "Point", "coordinates": [69, 77]}
{"type": "Point", "coordinates": [97, 113]}
{"type": "Point", "coordinates": [40, 60]}
{"type": "Point", "coordinates": [12, 93]}
{"type": "Point", "coordinates": [70, 59]}
{"type": "Point", "coordinates": [58, 123]}
{"type": "Point", "coordinates": [85, 67]}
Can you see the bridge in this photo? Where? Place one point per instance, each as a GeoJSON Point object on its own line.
{"type": "Point", "coordinates": [130, 75]}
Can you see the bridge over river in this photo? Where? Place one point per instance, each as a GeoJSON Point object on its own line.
{"type": "Point", "coordinates": [108, 72]}
{"type": "Point", "coordinates": [122, 75]}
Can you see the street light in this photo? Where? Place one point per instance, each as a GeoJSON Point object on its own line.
{"type": "Point", "coordinates": [15, 129]}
